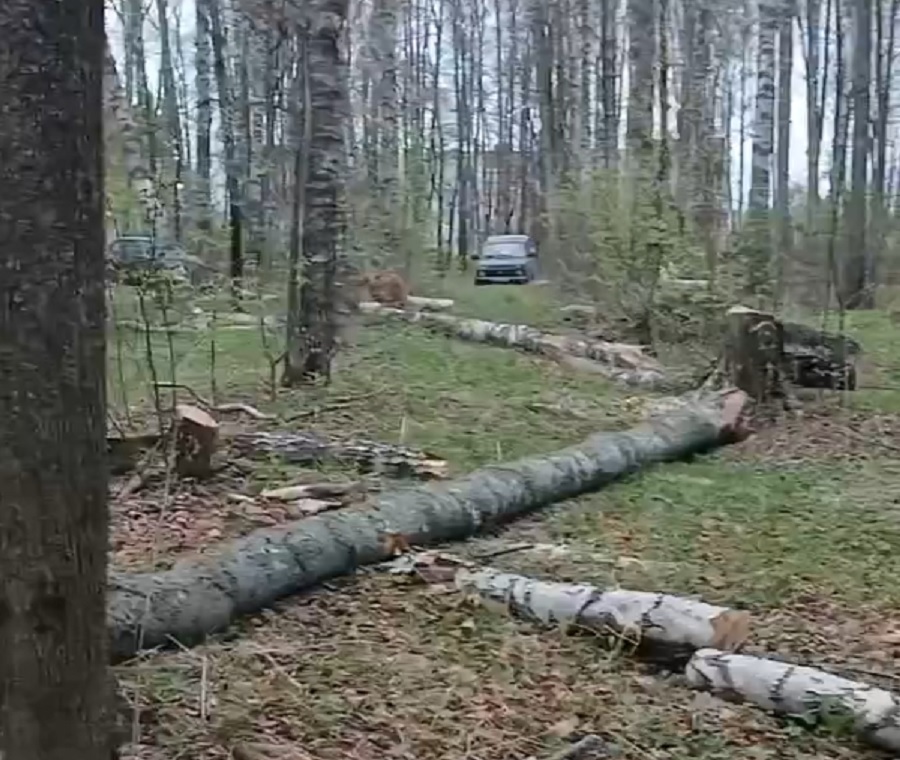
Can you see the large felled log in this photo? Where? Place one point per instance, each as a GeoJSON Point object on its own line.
{"type": "Point", "coordinates": [387, 459]}
{"type": "Point", "coordinates": [626, 364]}
{"type": "Point", "coordinates": [799, 691]}
{"type": "Point", "coordinates": [204, 594]}
{"type": "Point", "coordinates": [662, 626]}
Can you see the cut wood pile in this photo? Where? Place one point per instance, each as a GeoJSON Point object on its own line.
{"type": "Point", "coordinates": [305, 448]}
{"type": "Point", "coordinates": [624, 363]}
{"type": "Point", "coordinates": [688, 634]}
{"type": "Point", "coordinates": [204, 594]}
{"type": "Point", "coordinates": [762, 355]}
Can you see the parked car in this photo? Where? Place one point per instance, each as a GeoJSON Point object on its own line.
{"type": "Point", "coordinates": [506, 258]}
{"type": "Point", "coordinates": [131, 257]}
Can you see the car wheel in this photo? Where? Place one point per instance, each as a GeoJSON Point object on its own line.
{"type": "Point", "coordinates": [479, 282]}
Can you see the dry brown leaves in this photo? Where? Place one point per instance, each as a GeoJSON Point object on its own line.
{"type": "Point", "coordinates": [823, 433]}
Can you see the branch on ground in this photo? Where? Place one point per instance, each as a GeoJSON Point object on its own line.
{"type": "Point", "coordinates": [309, 449]}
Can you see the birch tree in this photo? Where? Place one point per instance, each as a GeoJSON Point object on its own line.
{"type": "Point", "coordinates": [311, 320]}
{"type": "Point", "coordinates": [758, 243]}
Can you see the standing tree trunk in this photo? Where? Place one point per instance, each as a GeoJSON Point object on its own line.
{"type": "Point", "coordinates": [232, 168]}
{"type": "Point", "coordinates": [758, 238]}
{"type": "Point", "coordinates": [311, 329]}
{"type": "Point", "coordinates": [856, 290]}
{"type": "Point", "coordinates": [783, 147]}
{"type": "Point", "coordinates": [203, 69]}
{"type": "Point", "coordinates": [55, 700]}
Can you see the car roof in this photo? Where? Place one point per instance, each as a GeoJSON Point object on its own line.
{"type": "Point", "coordinates": [508, 239]}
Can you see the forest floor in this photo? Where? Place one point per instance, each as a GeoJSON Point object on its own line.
{"type": "Point", "coordinates": [800, 525]}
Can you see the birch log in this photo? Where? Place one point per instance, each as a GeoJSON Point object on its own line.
{"type": "Point", "coordinates": [798, 691]}
{"type": "Point", "coordinates": [659, 625]}
{"type": "Point", "coordinates": [624, 363]}
{"type": "Point", "coordinates": [413, 302]}
{"type": "Point", "coordinates": [204, 594]}
{"type": "Point", "coordinates": [390, 460]}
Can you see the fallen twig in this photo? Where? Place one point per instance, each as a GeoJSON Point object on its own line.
{"type": "Point", "coordinates": [589, 743]}
{"type": "Point", "coordinates": [250, 411]}
{"type": "Point", "coordinates": [332, 406]}
{"type": "Point", "coordinates": [342, 491]}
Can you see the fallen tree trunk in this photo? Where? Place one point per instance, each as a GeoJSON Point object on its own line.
{"type": "Point", "coordinates": [807, 693]}
{"type": "Point", "coordinates": [413, 302]}
{"type": "Point", "coordinates": [661, 627]}
{"type": "Point", "coordinates": [624, 363]}
{"type": "Point", "coordinates": [204, 594]}
{"type": "Point", "coordinates": [390, 460]}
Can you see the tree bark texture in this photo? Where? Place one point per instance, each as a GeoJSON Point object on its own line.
{"type": "Point", "coordinates": [807, 693]}
{"type": "Point", "coordinates": [205, 594]}
{"type": "Point", "coordinates": [623, 363]}
{"type": "Point", "coordinates": [665, 627]}
{"type": "Point", "coordinates": [55, 697]}
{"type": "Point", "coordinates": [311, 340]}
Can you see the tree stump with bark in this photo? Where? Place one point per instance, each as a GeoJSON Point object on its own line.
{"type": "Point", "coordinates": [196, 435]}
{"type": "Point", "coordinates": [754, 354]}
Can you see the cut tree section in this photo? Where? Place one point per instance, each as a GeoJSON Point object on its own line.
{"type": "Point", "coordinates": [196, 435]}
{"type": "Point", "coordinates": [807, 693]}
{"type": "Point", "coordinates": [658, 625]}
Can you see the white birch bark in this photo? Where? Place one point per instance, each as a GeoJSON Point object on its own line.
{"type": "Point", "coordinates": [799, 691]}
{"type": "Point", "coordinates": [653, 620]}
{"type": "Point", "coordinates": [120, 122]}
{"type": "Point", "coordinates": [624, 363]}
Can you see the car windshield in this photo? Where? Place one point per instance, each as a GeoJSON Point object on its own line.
{"type": "Point", "coordinates": [132, 249]}
{"type": "Point", "coordinates": [507, 249]}
{"type": "Point", "coordinates": [140, 249]}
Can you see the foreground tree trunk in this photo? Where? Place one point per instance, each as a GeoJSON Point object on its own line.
{"type": "Point", "coordinates": [204, 595]}
{"type": "Point", "coordinates": [55, 699]}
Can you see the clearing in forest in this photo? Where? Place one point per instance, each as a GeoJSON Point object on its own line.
{"type": "Point", "coordinates": [800, 525]}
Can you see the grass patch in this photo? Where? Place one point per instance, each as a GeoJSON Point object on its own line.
{"type": "Point", "coordinates": [379, 668]}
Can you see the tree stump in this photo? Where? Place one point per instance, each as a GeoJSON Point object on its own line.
{"type": "Point", "coordinates": [754, 354]}
{"type": "Point", "coordinates": [196, 435]}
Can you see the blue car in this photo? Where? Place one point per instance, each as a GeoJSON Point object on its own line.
{"type": "Point", "coordinates": [506, 259]}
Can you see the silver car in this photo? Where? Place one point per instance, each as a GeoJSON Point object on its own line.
{"type": "Point", "coordinates": [507, 258]}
